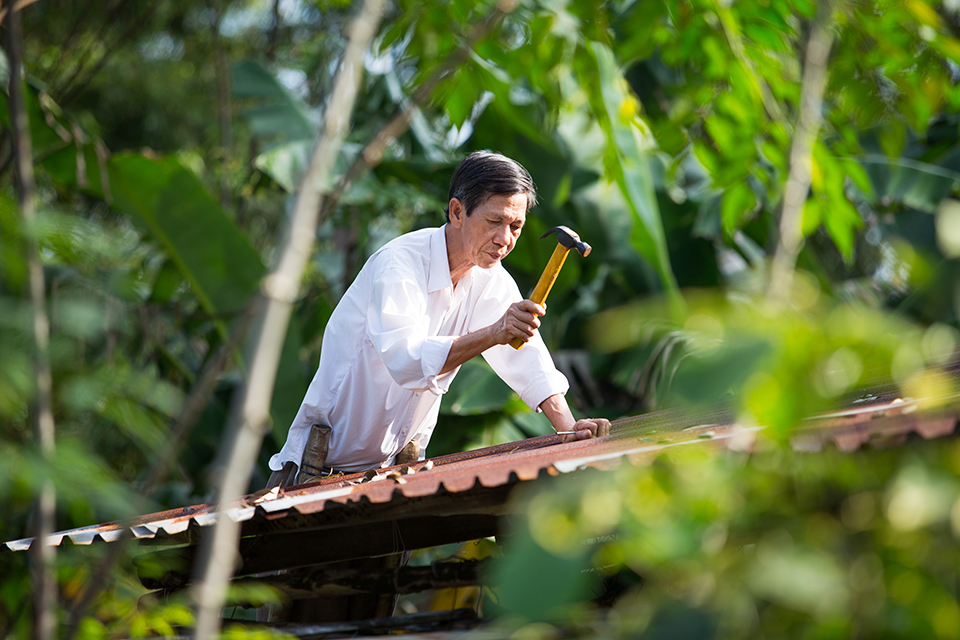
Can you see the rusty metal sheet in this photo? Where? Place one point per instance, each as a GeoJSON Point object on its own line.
{"type": "Point", "coordinates": [636, 440]}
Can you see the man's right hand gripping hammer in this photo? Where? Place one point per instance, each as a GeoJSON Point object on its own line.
{"type": "Point", "coordinates": [566, 239]}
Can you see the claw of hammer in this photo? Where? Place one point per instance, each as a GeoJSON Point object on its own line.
{"type": "Point", "coordinates": [566, 239]}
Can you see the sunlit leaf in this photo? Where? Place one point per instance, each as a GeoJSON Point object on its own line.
{"type": "Point", "coordinates": [219, 262]}
{"type": "Point", "coordinates": [916, 184]}
{"type": "Point", "coordinates": [739, 203]}
{"type": "Point", "coordinates": [632, 171]}
{"type": "Point", "coordinates": [281, 115]}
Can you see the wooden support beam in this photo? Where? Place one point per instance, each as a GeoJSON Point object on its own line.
{"type": "Point", "coordinates": [414, 623]}
{"type": "Point", "coordinates": [329, 582]}
{"type": "Point", "coordinates": [285, 551]}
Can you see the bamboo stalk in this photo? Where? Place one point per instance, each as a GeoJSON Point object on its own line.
{"type": "Point", "coordinates": [41, 411]}
{"type": "Point", "coordinates": [250, 414]}
{"type": "Point", "coordinates": [801, 156]}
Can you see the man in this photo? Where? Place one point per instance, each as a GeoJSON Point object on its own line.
{"type": "Point", "coordinates": [421, 306]}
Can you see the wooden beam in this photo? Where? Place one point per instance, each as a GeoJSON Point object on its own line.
{"type": "Point", "coordinates": [416, 622]}
{"type": "Point", "coordinates": [328, 582]}
{"type": "Point", "coordinates": [292, 550]}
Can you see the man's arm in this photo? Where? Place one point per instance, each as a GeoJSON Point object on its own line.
{"type": "Point", "coordinates": [521, 320]}
{"type": "Point", "coordinates": [558, 412]}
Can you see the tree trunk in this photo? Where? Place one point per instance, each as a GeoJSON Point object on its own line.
{"type": "Point", "coordinates": [41, 410]}
{"type": "Point", "coordinates": [250, 414]}
{"type": "Point", "coordinates": [801, 156]}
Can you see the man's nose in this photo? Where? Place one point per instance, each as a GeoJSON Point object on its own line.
{"type": "Point", "coordinates": [503, 236]}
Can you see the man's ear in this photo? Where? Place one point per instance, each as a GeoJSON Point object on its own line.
{"type": "Point", "coordinates": [457, 212]}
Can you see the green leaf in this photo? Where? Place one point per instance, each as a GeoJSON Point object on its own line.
{"type": "Point", "coordinates": [738, 204]}
{"type": "Point", "coordinates": [221, 265]}
{"type": "Point", "coordinates": [858, 176]}
{"type": "Point", "coordinates": [464, 92]}
{"type": "Point", "coordinates": [286, 163]}
{"type": "Point", "coordinates": [250, 79]}
{"type": "Point", "coordinates": [214, 256]}
{"type": "Point", "coordinates": [477, 389]}
{"type": "Point", "coordinates": [893, 138]}
{"type": "Point", "coordinates": [840, 222]}
{"type": "Point", "coordinates": [630, 169]}
{"type": "Point", "coordinates": [915, 184]}
{"type": "Point", "coordinates": [166, 283]}
{"type": "Point", "coordinates": [280, 114]}
{"type": "Point", "coordinates": [811, 217]}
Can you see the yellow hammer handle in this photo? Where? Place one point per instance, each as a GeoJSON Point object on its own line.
{"type": "Point", "coordinates": [547, 278]}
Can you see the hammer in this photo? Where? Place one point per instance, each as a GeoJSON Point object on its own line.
{"type": "Point", "coordinates": [567, 239]}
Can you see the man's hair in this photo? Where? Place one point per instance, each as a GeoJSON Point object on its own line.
{"type": "Point", "coordinates": [483, 174]}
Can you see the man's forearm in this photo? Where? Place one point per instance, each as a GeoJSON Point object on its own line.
{"type": "Point", "coordinates": [521, 320]}
{"type": "Point", "coordinates": [468, 346]}
{"type": "Point", "coordinates": [558, 412]}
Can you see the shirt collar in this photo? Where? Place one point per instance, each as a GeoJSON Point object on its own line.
{"type": "Point", "coordinates": [439, 277]}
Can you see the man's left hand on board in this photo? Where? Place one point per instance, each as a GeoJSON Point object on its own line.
{"type": "Point", "coordinates": [587, 428]}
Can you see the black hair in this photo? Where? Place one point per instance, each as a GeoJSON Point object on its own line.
{"type": "Point", "coordinates": [483, 174]}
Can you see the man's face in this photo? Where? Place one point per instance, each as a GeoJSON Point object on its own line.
{"type": "Point", "coordinates": [491, 231]}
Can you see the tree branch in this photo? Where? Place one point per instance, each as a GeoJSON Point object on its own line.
{"type": "Point", "coordinates": [801, 156]}
{"type": "Point", "coordinates": [223, 110]}
{"type": "Point", "coordinates": [72, 87]}
{"type": "Point", "coordinates": [189, 413]}
{"type": "Point", "coordinates": [372, 153]}
{"type": "Point", "coordinates": [274, 35]}
{"type": "Point", "coordinates": [17, 6]}
{"type": "Point", "coordinates": [250, 414]}
{"type": "Point", "coordinates": [41, 411]}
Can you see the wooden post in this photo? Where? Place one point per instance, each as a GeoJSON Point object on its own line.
{"type": "Point", "coordinates": [315, 453]}
{"type": "Point", "coordinates": [410, 454]}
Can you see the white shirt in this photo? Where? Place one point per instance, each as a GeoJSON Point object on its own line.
{"type": "Point", "coordinates": [379, 384]}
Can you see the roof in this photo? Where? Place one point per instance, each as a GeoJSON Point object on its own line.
{"type": "Point", "coordinates": [475, 484]}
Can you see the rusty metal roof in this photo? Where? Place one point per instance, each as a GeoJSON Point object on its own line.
{"type": "Point", "coordinates": [351, 498]}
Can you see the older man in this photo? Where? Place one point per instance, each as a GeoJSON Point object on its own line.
{"type": "Point", "coordinates": [421, 306]}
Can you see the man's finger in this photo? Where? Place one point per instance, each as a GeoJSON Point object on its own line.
{"type": "Point", "coordinates": [532, 307]}
{"type": "Point", "coordinates": [603, 427]}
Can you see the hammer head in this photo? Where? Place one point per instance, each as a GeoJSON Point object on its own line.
{"type": "Point", "coordinates": [569, 239]}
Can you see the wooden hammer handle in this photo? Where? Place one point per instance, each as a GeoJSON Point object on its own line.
{"type": "Point", "coordinates": [547, 278]}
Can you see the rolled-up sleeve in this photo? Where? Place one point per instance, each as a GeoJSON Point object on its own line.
{"type": "Point", "coordinates": [397, 325]}
{"type": "Point", "coordinates": [530, 371]}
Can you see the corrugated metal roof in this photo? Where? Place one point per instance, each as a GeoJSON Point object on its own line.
{"type": "Point", "coordinates": [348, 499]}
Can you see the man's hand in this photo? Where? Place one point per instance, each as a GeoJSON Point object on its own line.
{"type": "Point", "coordinates": [521, 320]}
{"type": "Point", "coordinates": [556, 409]}
{"type": "Point", "coordinates": [585, 429]}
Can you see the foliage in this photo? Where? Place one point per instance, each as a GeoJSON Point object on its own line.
{"type": "Point", "coordinates": [774, 365]}
{"type": "Point", "coordinates": [772, 543]}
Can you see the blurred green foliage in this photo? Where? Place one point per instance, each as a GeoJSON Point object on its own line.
{"type": "Point", "coordinates": [771, 543]}
{"type": "Point", "coordinates": [777, 365]}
